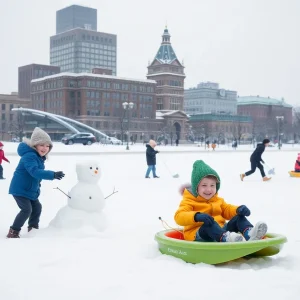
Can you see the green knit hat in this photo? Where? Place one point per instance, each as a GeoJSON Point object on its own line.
{"type": "Point", "coordinates": [201, 170]}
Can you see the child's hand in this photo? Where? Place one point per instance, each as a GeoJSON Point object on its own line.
{"type": "Point", "coordinates": [243, 211]}
{"type": "Point", "coordinates": [59, 175]}
{"type": "Point", "coordinates": [205, 218]}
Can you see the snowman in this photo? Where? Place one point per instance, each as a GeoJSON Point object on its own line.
{"type": "Point", "coordinates": [85, 201]}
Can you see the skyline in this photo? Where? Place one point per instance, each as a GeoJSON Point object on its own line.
{"type": "Point", "coordinates": [251, 48]}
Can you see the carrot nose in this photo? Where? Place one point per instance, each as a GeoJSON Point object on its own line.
{"type": "Point", "coordinates": [96, 172]}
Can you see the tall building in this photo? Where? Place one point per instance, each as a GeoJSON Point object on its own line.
{"type": "Point", "coordinates": [207, 97]}
{"type": "Point", "coordinates": [169, 75]}
{"type": "Point", "coordinates": [80, 50]}
{"type": "Point", "coordinates": [30, 72]}
{"type": "Point", "coordinates": [76, 16]}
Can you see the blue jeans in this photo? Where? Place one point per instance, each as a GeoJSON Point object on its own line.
{"type": "Point", "coordinates": [153, 168]}
{"type": "Point", "coordinates": [213, 233]}
{"type": "Point", "coordinates": [31, 209]}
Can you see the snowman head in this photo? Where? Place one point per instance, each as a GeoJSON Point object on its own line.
{"type": "Point", "coordinates": [88, 171]}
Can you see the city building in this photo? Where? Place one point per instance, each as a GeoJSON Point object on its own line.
{"type": "Point", "coordinates": [97, 100]}
{"type": "Point", "coordinates": [168, 72]}
{"type": "Point", "coordinates": [80, 49]}
{"type": "Point", "coordinates": [76, 16]}
{"type": "Point", "coordinates": [10, 123]}
{"type": "Point", "coordinates": [169, 75]}
{"type": "Point", "coordinates": [208, 97]}
{"type": "Point", "coordinates": [30, 72]}
{"type": "Point", "coordinates": [269, 116]}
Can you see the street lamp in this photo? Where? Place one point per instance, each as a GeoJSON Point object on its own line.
{"type": "Point", "coordinates": [278, 118]}
{"type": "Point", "coordinates": [127, 106]}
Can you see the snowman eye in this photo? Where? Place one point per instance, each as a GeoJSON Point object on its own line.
{"type": "Point", "coordinates": [90, 197]}
{"type": "Point", "coordinates": [91, 168]}
{"type": "Point", "coordinates": [96, 168]}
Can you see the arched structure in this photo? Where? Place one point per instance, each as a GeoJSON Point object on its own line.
{"type": "Point", "coordinates": [63, 122]}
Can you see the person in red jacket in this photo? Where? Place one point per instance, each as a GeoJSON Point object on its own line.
{"type": "Point", "coordinates": [297, 164]}
{"type": "Point", "coordinates": [2, 157]}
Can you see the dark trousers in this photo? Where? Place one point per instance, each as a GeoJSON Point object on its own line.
{"type": "Point", "coordinates": [254, 165]}
{"type": "Point", "coordinates": [29, 209]}
{"type": "Point", "coordinates": [1, 172]}
{"type": "Point", "coordinates": [214, 232]}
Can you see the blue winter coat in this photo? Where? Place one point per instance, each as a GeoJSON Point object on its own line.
{"type": "Point", "coordinates": [29, 173]}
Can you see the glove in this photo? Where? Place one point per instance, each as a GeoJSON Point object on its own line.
{"type": "Point", "coordinates": [59, 175]}
{"type": "Point", "coordinates": [205, 218]}
{"type": "Point", "coordinates": [243, 211]}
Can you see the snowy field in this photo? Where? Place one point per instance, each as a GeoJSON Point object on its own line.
{"type": "Point", "coordinates": [123, 262]}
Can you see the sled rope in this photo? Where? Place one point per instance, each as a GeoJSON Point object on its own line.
{"type": "Point", "coordinates": [167, 226]}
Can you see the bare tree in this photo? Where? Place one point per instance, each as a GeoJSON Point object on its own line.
{"type": "Point", "coordinates": [17, 126]}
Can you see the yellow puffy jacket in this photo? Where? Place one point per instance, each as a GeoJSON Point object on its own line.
{"type": "Point", "coordinates": [190, 205]}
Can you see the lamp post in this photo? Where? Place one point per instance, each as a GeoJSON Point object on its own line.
{"type": "Point", "coordinates": [127, 106]}
{"type": "Point", "coordinates": [278, 118]}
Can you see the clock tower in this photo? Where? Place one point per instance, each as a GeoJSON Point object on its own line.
{"type": "Point", "coordinates": [169, 75]}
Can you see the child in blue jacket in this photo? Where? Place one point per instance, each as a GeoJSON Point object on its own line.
{"type": "Point", "coordinates": [26, 181]}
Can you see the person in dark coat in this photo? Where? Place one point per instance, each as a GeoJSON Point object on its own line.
{"type": "Point", "coordinates": [256, 161]}
{"type": "Point", "coordinates": [26, 181]}
{"type": "Point", "coordinates": [2, 157]}
{"type": "Point", "coordinates": [151, 159]}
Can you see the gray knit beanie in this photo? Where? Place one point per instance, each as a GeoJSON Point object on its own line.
{"type": "Point", "coordinates": [39, 136]}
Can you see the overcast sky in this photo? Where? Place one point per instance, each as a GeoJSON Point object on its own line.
{"type": "Point", "coordinates": [249, 46]}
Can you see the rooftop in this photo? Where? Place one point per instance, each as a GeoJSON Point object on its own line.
{"type": "Point", "coordinates": [251, 100]}
{"type": "Point", "coordinates": [76, 75]}
{"type": "Point", "coordinates": [165, 53]}
{"type": "Point", "coordinates": [219, 117]}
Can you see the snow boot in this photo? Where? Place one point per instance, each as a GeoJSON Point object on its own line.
{"type": "Point", "coordinates": [266, 178]}
{"type": "Point", "coordinates": [232, 237]}
{"type": "Point", "coordinates": [33, 226]}
{"type": "Point", "coordinates": [242, 176]}
{"type": "Point", "coordinates": [13, 233]}
{"type": "Point", "coordinates": [257, 232]}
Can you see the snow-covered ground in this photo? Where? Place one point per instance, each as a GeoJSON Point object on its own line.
{"type": "Point", "coordinates": [123, 262]}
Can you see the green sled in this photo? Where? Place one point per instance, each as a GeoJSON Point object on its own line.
{"type": "Point", "coordinates": [171, 242]}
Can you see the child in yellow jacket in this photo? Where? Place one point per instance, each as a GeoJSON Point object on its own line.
{"type": "Point", "coordinates": [204, 214]}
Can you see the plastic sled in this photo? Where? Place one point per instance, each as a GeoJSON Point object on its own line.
{"type": "Point", "coordinates": [294, 174]}
{"type": "Point", "coordinates": [171, 242]}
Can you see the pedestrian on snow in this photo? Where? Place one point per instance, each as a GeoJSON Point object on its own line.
{"type": "Point", "coordinates": [297, 163]}
{"type": "Point", "coordinates": [2, 157]}
{"type": "Point", "coordinates": [177, 142]}
{"type": "Point", "coordinates": [234, 144]}
{"type": "Point", "coordinates": [256, 160]}
{"type": "Point", "coordinates": [214, 145]}
{"type": "Point", "coordinates": [203, 213]}
{"type": "Point", "coordinates": [151, 159]}
{"type": "Point", "coordinates": [26, 181]}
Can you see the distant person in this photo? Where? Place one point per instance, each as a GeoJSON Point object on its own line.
{"type": "Point", "coordinates": [26, 181]}
{"type": "Point", "coordinates": [177, 142]}
{"type": "Point", "coordinates": [213, 145]}
{"type": "Point", "coordinates": [234, 144]}
{"type": "Point", "coordinates": [207, 143]}
{"type": "Point", "coordinates": [297, 164]}
{"type": "Point", "coordinates": [256, 161]}
{"type": "Point", "coordinates": [2, 157]}
{"type": "Point", "coordinates": [151, 159]}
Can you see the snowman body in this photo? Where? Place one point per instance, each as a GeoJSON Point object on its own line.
{"type": "Point", "coordinates": [85, 202]}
